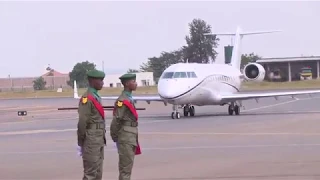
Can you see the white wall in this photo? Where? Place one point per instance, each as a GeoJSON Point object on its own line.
{"type": "Point", "coordinates": [143, 79]}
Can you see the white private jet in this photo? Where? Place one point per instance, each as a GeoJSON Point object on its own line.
{"type": "Point", "coordinates": [193, 84]}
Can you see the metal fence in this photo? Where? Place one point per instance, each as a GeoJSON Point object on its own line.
{"type": "Point", "coordinates": [26, 84]}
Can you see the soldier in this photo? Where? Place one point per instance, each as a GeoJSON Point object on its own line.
{"type": "Point", "coordinates": [91, 127]}
{"type": "Point", "coordinates": [124, 127]}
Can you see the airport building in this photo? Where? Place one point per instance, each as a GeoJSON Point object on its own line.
{"type": "Point", "coordinates": [54, 80]}
{"type": "Point", "coordinates": [291, 68]}
{"type": "Point", "coordinates": [285, 68]}
{"type": "Point", "coordinates": [143, 79]}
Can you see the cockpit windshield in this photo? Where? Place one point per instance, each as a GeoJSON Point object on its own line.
{"type": "Point", "coordinates": [170, 75]}
{"type": "Point", "coordinates": [167, 75]}
{"type": "Point", "coordinates": [180, 75]}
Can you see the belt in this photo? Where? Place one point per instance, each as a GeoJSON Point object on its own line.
{"type": "Point", "coordinates": [130, 123]}
{"type": "Point", "coordinates": [96, 126]}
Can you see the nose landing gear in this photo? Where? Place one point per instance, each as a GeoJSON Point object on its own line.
{"type": "Point", "coordinates": [175, 114]}
{"type": "Point", "coordinates": [187, 109]}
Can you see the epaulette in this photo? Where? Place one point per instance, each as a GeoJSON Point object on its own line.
{"type": "Point", "coordinates": [119, 103]}
{"type": "Point", "coordinates": [84, 99]}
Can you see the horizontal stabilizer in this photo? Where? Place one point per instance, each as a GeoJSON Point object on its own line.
{"type": "Point", "coordinates": [259, 32]}
{"type": "Point", "coordinates": [243, 33]}
{"type": "Point", "coordinates": [221, 34]}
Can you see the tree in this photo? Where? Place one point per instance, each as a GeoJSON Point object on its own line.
{"type": "Point", "coordinates": [132, 71]}
{"type": "Point", "coordinates": [248, 58]}
{"type": "Point", "coordinates": [39, 84]}
{"type": "Point", "coordinates": [147, 67]}
{"type": "Point", "coordinates": [51, 71]}
{"type": "Point", "coordinates": [200, 47]}
{"type": "Point", "coordinates": [79, 74]}
{"type": "Point", "coordinates": [158, 64]}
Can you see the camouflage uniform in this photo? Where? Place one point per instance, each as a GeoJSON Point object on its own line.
{"type": "Point", "coordinates": [91, 131]}
{"type": "Point", "coordinates": [124, 131]}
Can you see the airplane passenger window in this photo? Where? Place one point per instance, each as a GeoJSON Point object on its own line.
{"type": "Point", "coordinates": [180, 75]}
{"type": "Point", "coordinates": [167, 75]}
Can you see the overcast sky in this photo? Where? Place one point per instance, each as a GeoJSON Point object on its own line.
{"type": "Point", "coordinates": [125, 34]}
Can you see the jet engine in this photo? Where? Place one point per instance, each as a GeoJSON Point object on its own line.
{"type": "Point", "coordinates": [254, 72]}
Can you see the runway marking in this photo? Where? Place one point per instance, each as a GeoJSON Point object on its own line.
{"type": "Point", "coordinates": [267, 106]}
{"type": "Point", "coordinates": [284, 112]}
{"type": "Point", "coordinates": [282, 103]}
{"type": "Point", "coordinates": [241, 134]}
{"type": "Point", "coordinates": [174, 148]}
{"type": "Point", "coordinates": [163, 133]}
{"type": "Point", "coordinates": [36, 131]}
{"type": "Point", "coordinates": [239, 146]}
{"type": "Point", "coordinates": [57, 130]}
{"type": "Point", "coordinates": [43, 110]}
{"type": "Point", "coordinates": [24, 107]}
{"type": "Point", "coordinates": [36, 120]}
{"type": "Point", "coordinates": [155, 121]}
{"type": "Point", "coordinates": [302, 111]}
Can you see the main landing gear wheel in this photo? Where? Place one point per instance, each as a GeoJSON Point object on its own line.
{"type": "Point", "coordinates": [188, 109]}
{"type": "Point", "coordinates": [233, 108]}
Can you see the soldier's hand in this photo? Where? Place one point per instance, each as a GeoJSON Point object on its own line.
{"type": "Point", "coordinates": [79, 151]}
{"type": "Point", "coordinates": [114, 138]}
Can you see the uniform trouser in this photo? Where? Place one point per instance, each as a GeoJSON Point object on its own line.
{"type": "Point", "coordinates": [126, 158]}
{"type": "Point", "coordinates": [93, 162]}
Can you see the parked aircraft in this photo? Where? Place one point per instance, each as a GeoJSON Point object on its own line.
{"type": "Point", "coordinates": [192, 84]}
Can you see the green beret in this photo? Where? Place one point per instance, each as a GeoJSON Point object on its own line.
{"type": "Point", "coordinates": [128, 76]}
{"type": "Point", "coordinates": [96, 74]}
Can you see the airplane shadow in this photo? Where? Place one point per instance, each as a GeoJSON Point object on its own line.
{"type": "Point", "coordinates": [197, 116]}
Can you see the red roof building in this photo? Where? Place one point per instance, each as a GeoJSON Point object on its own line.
{"type": "Point", "coordinates": [54, 73]}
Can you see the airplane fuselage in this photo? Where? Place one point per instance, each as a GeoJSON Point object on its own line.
{"type": "Point", "coordinates": [198, 84]}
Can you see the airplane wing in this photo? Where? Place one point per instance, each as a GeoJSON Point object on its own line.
{"type": "Point", "coordinates": [137, 98]}
{"type": "Point", "coordinates": [147, 98]}
{"type": "Point", "coordinates": [256, 95]}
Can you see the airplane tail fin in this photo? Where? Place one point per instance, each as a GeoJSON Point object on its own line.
{"type": "Point", "coordinates": [75, 90]}
{"type": "Point", "coordinates": [236, 52]}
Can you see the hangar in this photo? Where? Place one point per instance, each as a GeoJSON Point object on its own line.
{"type": "Point", "coordinates": [291, 68]}
{"type": "Point", "coordinates": [143, 79]}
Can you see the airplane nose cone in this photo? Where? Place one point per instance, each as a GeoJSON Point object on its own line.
{"type": "Point", "coordinates": [166, 94]}
{"type": "Point", "coordinates": [166, 90]}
